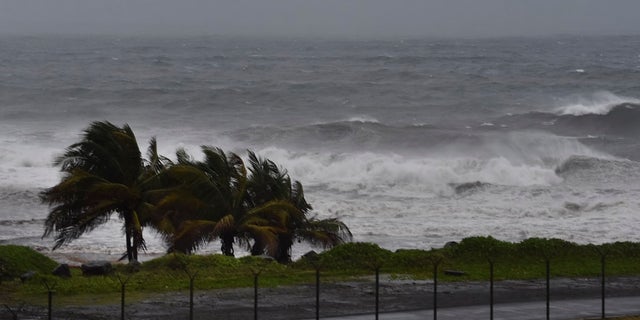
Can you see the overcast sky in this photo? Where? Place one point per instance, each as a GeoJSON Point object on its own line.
{"type": "Point", "coordinates": [350, 18]}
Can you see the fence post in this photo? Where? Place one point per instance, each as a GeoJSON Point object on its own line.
{"type": "Point", "coordinates": [436, 260]}
{"type": "Point", "coordinates": [191, 298]}
{"type": "Point", "coordinates": [490, 252]}
{"type": "Point", "coordinates": [547, 249]}
{"type": "Point", "coordinates": [317, 264]}
{"type": "Point", "coordinates": [603, 251]}
{"type": "Point", "coordinates": [184, 265]}
{"type": "Point", "coordinates": [547, 262]}
{"type": "Point", "coordinates": [50, 291]}
{"type": "Point", "coordinates": [192, 277]}
{"type": "Point", "coordinates": [377, 292]}
{"type": "Point", "coordinates": [435, 291]}
{"type": "Point", "coordinates": [491, 282]}
{"type": "Point", "coordinates": [256, 271]}
{"type": "Point", "coordinates": [123, 284]}
{"type": "Point", "coordinates": [376, 265]}
{"type": "Point", "coordinates": [603, 257]}
{"type": "Point", "coordinates": [255, 295]}
{"type": "Point", "coordinates": [122, 290]}
{"type": "Point", "coordinates": [317, 293]}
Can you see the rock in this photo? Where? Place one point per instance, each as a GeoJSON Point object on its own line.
{"type": "Point", "coordinates": [27, 276]}
{"type": "Point", "coordinates": [469, 187]}
{"type": "Point", "coordinates": [62, 270]}
{"type": "Point", "coordinates": [133, 266]}
{"type": "Point", "coordinates": [96, 268]}
{"type": "Point", "coordinates": [311, 255]}
{"type": "Point", "coordinates": [572, 206]}
{"type": "Point", "coordinates": [312, 258]}
{"type": "Point", "coordinates": [450, 244]}
{"type": "Point", "coordinates": [456, 273]}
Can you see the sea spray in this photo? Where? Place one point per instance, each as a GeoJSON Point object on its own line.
{"type": "Point", "coordinates": [600, 102]}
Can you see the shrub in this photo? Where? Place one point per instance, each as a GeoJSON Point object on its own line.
{"type": "Point", "coordinates": [354, 256]}
{"type": "Point", "coordinates": [412, 259]}
{"type": "Point", "coordinates": [481, 248]}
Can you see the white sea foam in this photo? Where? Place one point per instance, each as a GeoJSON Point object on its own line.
{"type": "Point", "coordinates": [599, 103]}
{"type": "Point", "coordinates": [398, 176]}
{"type": "Point", "coordinates": [363, 119]}
{"type": "Point", "coordinates": [28, 166]}
{"type": "Point", "coordinates": [517, 159]}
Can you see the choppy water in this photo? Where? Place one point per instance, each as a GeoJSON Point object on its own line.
{"type": "Point", "coordinates": [386, 135]}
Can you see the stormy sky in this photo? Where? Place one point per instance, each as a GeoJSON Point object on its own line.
{"type": "Point", "coordinates": [348, 18]}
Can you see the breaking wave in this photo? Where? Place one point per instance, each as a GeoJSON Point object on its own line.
{"type": "Point", "coordinates": [619, 120]}
{"type": "Point", "coordinates": [395, 175]}
{"type": "Point", "coordinates": [600, 103]}
{"type": "Point", "coordinates": [598, 169]}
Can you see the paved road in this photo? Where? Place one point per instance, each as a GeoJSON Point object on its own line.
{"type": "Point", "coordinates": [567, 309]}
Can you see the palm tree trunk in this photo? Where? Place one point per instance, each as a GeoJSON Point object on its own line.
{"type": "Point", "coordinates": [227, 245]}
{"type": "Point", "coordinates": [134, 250]}
{"type": "Point", "coordinates": [128, 235]}
{"type": "Point", "coordinates": [257, 248]}
{"type": "Point", "coordinates": [285, 242]}
{"type": "Point", "coordinates": [129, 246]}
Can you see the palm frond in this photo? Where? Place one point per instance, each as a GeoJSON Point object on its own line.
{"type": "Point", "coordinates": [264, 236]}
{"type": "Point", "coordinates": [192, 234]}
{"type": "Point", "coordinates": [183, 157]}
{"type": "Point", "coordinates": [280, 212]}
{"type": "Point", "coordinates": [226, 225]}
{"type": "Point", "coordinates": [326, 233]}
{"type": "Point", "coordinates": [156, 162]}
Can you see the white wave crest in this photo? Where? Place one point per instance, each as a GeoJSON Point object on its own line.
{"type": "Point", "coordinates": [363, 119]}
{"type": "Point", "coordinates": [517, 159]}
{"type": "Point", "coordinates": [380, 174]}
{"type": "Point", "coordinates": [599, 103]}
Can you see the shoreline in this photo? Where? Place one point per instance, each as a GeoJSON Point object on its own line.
{"type": "Point", "coordinates": [344, 298]}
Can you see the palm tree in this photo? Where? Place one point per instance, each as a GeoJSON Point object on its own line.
{"type": "Point", "coordinates": [210, 204]}
{"type": "Point", "coordinates": [104, 173]}
{"type": "Point", "coordinates": [270, 183]}
{"type": "Point", "coordinates": [214, 199]}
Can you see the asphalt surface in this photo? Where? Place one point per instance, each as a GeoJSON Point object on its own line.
{"type": "Point", "coordinates": [566, 309]}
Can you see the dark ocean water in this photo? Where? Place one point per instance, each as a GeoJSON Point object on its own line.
{"type": "Point", "coordinates": [386, 135]}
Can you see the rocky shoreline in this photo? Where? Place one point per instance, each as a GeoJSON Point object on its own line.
{"type": "Point", "coordinates": [337, 298]}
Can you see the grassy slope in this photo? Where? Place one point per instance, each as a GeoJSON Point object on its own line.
{"type": "Point", "coordinates": [16, 260]}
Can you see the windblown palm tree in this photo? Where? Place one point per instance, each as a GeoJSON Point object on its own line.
{"type": "Point", "coordinates": [189, 203]}
{"type": "Point", "coordinates": [210, 204]}
{"type": "Point", "coordinates": [269, 183]}
{"type": "Point", "coordinates": [104, 173]}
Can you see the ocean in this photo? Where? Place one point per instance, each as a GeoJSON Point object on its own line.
{"type": "Point", "coordinates": [411, 142]}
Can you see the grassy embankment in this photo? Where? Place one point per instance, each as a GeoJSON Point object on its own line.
{"type": "Point", "coordinates": [524, 260]}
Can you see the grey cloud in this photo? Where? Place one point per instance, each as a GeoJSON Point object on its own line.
{"type": "Point", "coordinates": [369, 18]}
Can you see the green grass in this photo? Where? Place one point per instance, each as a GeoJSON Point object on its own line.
{"type": "Point", "coordinates": [16, 260]}
{"type": "Point", "coordinates": [524, 260]}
